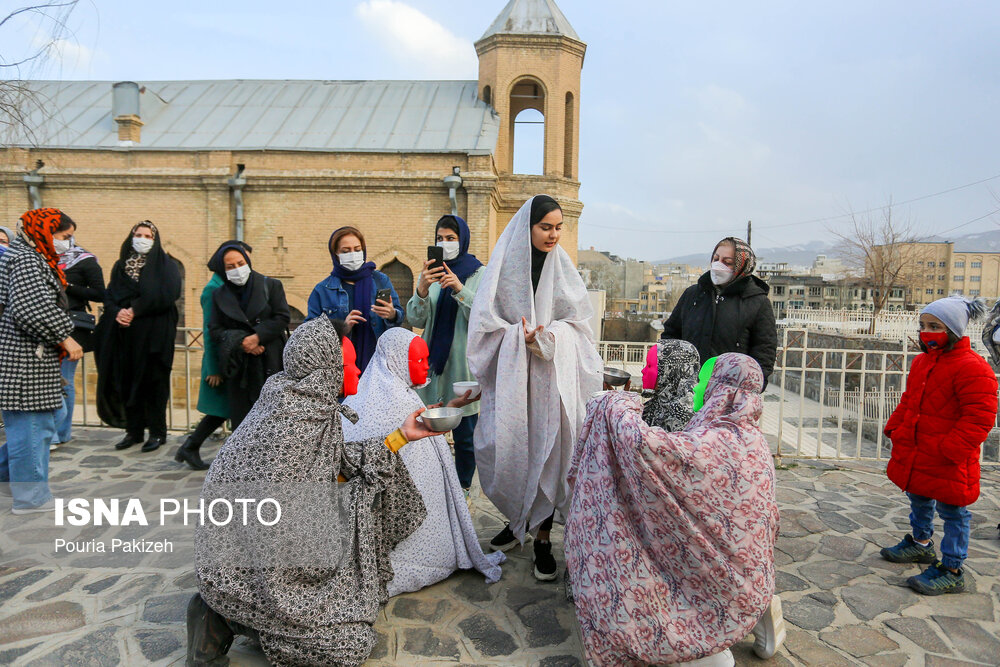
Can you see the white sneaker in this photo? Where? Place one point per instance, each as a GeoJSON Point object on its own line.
{"type": "Point", "coordinates": [54, 446]}
{"type": "Point", "coordinates": [49, 506]}
{"type": "Point", "coordinates": [769, 633]}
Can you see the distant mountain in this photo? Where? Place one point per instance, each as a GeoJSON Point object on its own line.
{"type": "Point", "coordinates": [803, 254]}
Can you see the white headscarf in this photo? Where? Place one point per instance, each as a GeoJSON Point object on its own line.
{"type": "Point", "coordinates": [532, 408]}
{"type": "Point", "coordinates": [446, 541]}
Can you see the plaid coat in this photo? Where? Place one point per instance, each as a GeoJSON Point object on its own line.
{"type": "Point", "coordinates": [31, 327]}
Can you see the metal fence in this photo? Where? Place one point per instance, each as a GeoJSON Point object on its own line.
{"type": "Point", "coordinates": [822, 402]}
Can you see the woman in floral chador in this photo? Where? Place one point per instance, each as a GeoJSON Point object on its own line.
{"type": "Point", "coordinates": [669, 537]}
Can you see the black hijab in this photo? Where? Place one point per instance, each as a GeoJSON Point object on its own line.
{"type": "Point", "coordinates": [218, 267]}
{"type": "Point", "coordinates": [541, 206]}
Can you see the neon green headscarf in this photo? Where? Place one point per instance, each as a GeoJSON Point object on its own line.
{"type": "Point", "coordinates": [703, 377]}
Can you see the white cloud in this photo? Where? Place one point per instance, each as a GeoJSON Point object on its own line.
{"type": "Point", "coordinates": [418, 40]}
{"type": "Point", "coordinates": [66, 56]}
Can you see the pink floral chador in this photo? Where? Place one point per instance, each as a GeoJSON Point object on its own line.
{"type": "Point", "coordinates": [670, 536]}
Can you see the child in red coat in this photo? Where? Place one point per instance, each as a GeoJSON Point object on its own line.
{"type": "Point", "coordinates": [943, 417]}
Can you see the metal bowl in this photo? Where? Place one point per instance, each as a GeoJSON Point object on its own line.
{"type": "Point", "coordinates": [442, 419]}
{"type": "Point", "coordinates": [616, 377]}
{"type": "Point", "coordinates": [461, 387]}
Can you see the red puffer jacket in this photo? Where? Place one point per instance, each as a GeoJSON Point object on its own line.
{"type": "Point", "coordinates": [945, 414]}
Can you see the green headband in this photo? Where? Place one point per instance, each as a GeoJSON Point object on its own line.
{"type": "Point", "coordinates": [703, 377]}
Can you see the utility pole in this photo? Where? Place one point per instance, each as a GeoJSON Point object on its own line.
{"type": "Point", "coordinates": [748, 233]}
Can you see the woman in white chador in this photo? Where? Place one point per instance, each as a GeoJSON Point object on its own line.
{"type": "Point", "coordinates": [446, 541]}
{"type": "Point", "coordinates": [532, 349]}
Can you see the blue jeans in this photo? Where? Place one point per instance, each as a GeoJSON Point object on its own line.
{"type": "Point", "coordinates": [64, 416]}
{"type": "Point", "coordinates": [24, 459]}
{"type": "Point", "coordinates": [957, 520]}
{"type": "Point", "coordinates": [465, 450]}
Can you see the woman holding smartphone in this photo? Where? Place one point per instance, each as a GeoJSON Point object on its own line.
{"type": "Point", "coordinates": [356, 293]}
{"type": "Point", "coordinates": [441, 307]}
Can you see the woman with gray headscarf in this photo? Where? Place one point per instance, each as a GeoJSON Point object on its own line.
{"type": "Point", "coordinates": [309, 586]}
{"type": "Point", "coordinates": [671, 373]}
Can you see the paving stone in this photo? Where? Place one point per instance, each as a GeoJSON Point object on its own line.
{"type": "Point", "coordinates": [887, 660]}
{"type": "Point", "coordinates": [823, 506]}
{"type": "Point", "coordinates": [810, 651]}
{"type": "Point", "coordinates": [48, 619]}
{"type": "Point", "coordinates": [187, 581]}
{"type": "Point", "coordinates": [809, 614]}
{"type": "Point", "coordinates": [800, 523]}
{"type": "Point", "coordinates": [967, 605]}
{"type": "Point", "coordinates": [98, 649]}
{"type": "Point", "coordinates": [167, 608]}
{"type": "Point", "coordinates": [560, 661]}
{"type": "Point", "coordinates": [101, 461]}
{"type": "Point", "coordinates": [931, 660]}
{"type": "Point", "coordinates": [8, 656]}
{"type": "Point", "coordinates": [132, 592]}
{"type": "Point", "coordinates": [858, 640]}
{"type": "Point", "coordinates": [158, 644]}
{"type": "Point", "coordinates": [970, 638]}
{"type": "Point", "coordinates": [869, 600]}
{"type": "Point", "coordinates": [842, 548]}
{"type": "Point", "coordinates": [918, 631]}
{"type": "Point", "coordinates": [829, 574]}
{"type": "Point", "coordinates": [381, 649]}
{"type": "Point", "coordinates": [799, 550]}
{"type": "Point", "coordinates": [9, 589]}
{"type": "Point", "coordinates": [56, 589]}
{"type": "Point", "coordinates": [784, 581]}
{"type": "Point", "coordinates": [838, 522]}
{"type": "Point", "coordinates": [429, 611]}
{"type": "Point", "coordinates": [487, 637]}
{"type": "Point", "coordinates": [423, 641]}
{"type": "Point", "coordinates": [475, 589]}
{"type": "Point", "coordinates": [102, 584]}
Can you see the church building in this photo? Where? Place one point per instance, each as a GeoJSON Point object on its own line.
{"type": "Point", "coordinates": [281, 164]}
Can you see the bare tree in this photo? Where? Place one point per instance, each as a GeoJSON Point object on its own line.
{"type": "Point", "coordinates": [882, 248]}
{"type": "Point", "coordinates": [18, 100]}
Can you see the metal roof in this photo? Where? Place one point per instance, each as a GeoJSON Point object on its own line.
{"type": "Point", "coordinates": [531, 17]}
{"type": "Point", "coordinates": [335, 116]}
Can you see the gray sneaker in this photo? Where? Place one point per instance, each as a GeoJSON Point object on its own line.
{"type": "Point", "coordinates": [908, 551]}
{"type": "Point", "coordinates": [49, 506]}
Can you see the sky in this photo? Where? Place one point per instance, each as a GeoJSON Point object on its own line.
{"type": "Point", "coordinates": [695, 116]}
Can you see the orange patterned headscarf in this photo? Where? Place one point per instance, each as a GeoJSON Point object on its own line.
{"type": "Point", "coordinates": [39, 225]}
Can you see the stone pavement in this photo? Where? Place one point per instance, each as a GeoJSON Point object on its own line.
{"type": "Point", "coordinates": [844, 605]}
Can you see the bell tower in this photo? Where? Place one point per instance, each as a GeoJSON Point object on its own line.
{"type": "Point", "coordinates": [531, 58]}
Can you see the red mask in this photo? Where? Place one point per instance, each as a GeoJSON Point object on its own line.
{"type": "Point", "coordinates": [351, 371]}
{"type": "Point", "coordinates": [934, 340]}
{"type": "Point", "coordinates": [419, 362]}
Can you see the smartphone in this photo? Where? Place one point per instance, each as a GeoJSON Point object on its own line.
{"type": "Point", "coordinates": [384, 295]}
{"type": "Point", "coordinates": [436, 253]}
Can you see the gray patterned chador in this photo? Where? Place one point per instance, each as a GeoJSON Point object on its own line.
{"type": "Point", "coordinates": [310, 586]}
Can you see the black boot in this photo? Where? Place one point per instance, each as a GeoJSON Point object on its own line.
{"type": "Point", "coordinates": [153, 443]}
{"type": "Point", "coordinates": [209, 636]}
{"type": "Point", "coordinates": [127, 442]}
{"type": "Point", "coordinates": [189, 454]}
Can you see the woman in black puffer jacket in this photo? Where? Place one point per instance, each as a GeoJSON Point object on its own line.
{"type": "Point", "coordinates": [728, 309]}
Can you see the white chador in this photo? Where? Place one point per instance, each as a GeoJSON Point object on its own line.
{"type": "Point", "coordinates": [446, 541]}
{"type": "Point", "coordinates": [534, 401]}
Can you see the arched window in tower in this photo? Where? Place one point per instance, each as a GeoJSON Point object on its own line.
{"type": "Point", "coordinates": [402, 280]}
{"type": "Point", "coordinates": [487, 95]}
{"type": "Point", "coordinates": [529, 142]}
{"type": "Point", "coordinates": [527, 128]}
{"type": "Point", "coordinates": [568, 137]}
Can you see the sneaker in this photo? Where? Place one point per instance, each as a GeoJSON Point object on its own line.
{"type": "Point", "coordinates": [54, 446]}
{"type": "Point", "coordinates": [769, 633]}
{"type": "Point", "coordinates": [49, 506]}
{"type": "Point", "coordinates": [504, 540]}
{"type": "Point", "coordinates": [936, 580]}
{"type": "Point", "coordinates": [720, 659]}
{"type": "Point", "coordinates": [545, 563]}
{"type": "Point", "coordinates": [908, 551]}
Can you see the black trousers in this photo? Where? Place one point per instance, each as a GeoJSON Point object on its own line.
{"type": "Point", "coordinates": [148, 410]}
{"type": "Point", "coordinates": [205, 428]}
{"type": "Point", "coordinates": [547, 524]}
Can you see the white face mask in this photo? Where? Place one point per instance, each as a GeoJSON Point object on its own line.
{"type": "Point", "coordinates": [240, 275]}
{"type": "Point", "coordinates": [721, 274]}
{"type": "Point", "coordinates": [141, 244]}
{"type": "Point", "coordinates": [61, 245]}
{"type": "Point", "coordinates": [352, 261]}
{"type": "Point", "coordinates": [450, 249]}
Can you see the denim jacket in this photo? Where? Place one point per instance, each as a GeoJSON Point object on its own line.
{"type": "Point", "coordinates": [330, 298]}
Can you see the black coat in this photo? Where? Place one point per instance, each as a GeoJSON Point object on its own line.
{"type": "Point", "coordinates": [129, 358]}
{"type": "Point", "coordinates": [737, 318]}
{"type": "Point", "coordinates": [266, 315]}
{"type": "Point", "coordinates": [85, 284]}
